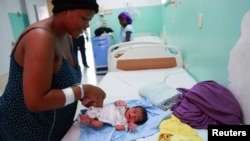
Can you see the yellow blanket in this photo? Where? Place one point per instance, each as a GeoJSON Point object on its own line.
{"type": "Point", "coordinates": [173, 129]}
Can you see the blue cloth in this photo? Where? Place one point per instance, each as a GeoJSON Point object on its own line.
{"type": "Point", "coordinates": [18, 123]}
{"type": "Point", "coordinates": [108, 133]}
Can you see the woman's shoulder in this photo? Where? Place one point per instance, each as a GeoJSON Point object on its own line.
{"type": "Point", "coordinates": [40, 26]}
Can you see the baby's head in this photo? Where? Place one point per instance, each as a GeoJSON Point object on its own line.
{"type": "Point", "coordinates": [137, 115]}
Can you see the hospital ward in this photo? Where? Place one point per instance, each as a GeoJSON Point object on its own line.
{"type": "Point", "coordinates": [150, 70]}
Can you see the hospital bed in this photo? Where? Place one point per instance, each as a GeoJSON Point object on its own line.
{"type": "Point", "coordinates": [138, 67]}
{"type": "Point", "coordinates": [135, 68]}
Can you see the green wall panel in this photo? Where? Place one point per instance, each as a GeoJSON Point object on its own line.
{"type": "Point", "coordinates": [18, 22]}
{"type": "Point", "coordinates": [205, 50]}
{"type": "Point", "coordinates": [146, 19]}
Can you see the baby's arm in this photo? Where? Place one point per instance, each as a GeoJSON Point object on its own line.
{"type": "Point", "coordinates": [130, 127]}
{"type": "Point", "coordinates": [121, 103]}
{"type": "Point", "coordinates": [120, 127]}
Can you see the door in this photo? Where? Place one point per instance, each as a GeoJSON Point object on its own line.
{"type": "Point", "coordinates": [36, 10]}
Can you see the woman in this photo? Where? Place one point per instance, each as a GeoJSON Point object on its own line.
{"type": "Point", "coordinates": [126, 31]}
{"type": "Point", "coordinates": [40, 99]}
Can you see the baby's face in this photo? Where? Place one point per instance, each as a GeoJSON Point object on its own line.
{"type": "Point", "coordinates": [134, 115]}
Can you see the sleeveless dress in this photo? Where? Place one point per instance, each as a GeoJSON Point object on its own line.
{"type": "Point", "coordinates": [17, 123]}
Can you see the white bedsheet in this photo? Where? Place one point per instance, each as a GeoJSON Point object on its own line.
{"type": "Point", "coordinates": [124, 85]}
{"type": "Point", "coordinates": [155, 39]}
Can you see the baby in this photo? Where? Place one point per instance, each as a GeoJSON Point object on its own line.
{"type": "Point", "coordinates": [118, 115]}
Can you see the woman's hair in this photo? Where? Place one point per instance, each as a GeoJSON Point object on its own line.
{"type": "Point", "coordinates": [125, 15]}
{"type": "Point", "coordinates": [61, 5]}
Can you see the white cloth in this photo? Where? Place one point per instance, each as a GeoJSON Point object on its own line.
{"type": "Point", "coordinates": [109, 114]}
{"type": "Point", "coordinates": [239, 68]}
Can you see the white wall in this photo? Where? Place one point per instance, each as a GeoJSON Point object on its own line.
{"type": "Point", "coordinates": [36, 10]}
{"type": "Point", "coordinates": [6, 35]}
{"type": "Point", "coordinates": [15, 6]}
{"type": "Point", "coordinates": [113, 4]}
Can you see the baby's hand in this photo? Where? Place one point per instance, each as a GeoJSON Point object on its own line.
{"type": "Point", "coordinates": [120, 103]}
{"type": "Point", "coordinates": [131, 126]}
{"type": "Point", "coordinates": [119, 127]}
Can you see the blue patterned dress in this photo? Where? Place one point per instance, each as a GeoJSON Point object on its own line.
{"type": "Point", "coordinates": [17, 123]}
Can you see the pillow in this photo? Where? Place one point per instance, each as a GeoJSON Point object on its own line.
{"type": "Point", "coordinates": [160, 94]}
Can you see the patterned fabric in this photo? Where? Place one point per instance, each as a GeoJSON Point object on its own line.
{"type": "Point", "coordinates": [160, 94]}
{"type": "Point", "coordinates": [17, 123]}
{"type": "Point", "coordinates": [168, 103]}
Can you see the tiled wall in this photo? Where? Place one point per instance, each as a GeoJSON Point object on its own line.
{"type": "Point", "coordinates": [3, 80]}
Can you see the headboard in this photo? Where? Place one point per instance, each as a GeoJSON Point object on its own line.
{"type": "Point", "coordinates": [152, 37]}
{"type": "Point", "coordinates": [144, 56]}
{"type": "Point", "coordinates": [239, 69]}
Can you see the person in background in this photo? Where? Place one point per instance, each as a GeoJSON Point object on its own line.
{"type": "Point", "coordinates": [40, 99]}
{"type": "Point", "coordinates": [79, 44]}
{"type": "Point", "coordinates": [126, 31]}
{"type": "Point", "coordinates": [117, 114]}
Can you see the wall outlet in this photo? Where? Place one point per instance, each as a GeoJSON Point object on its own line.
{"type": "Point", "coordinates": [104, 23]}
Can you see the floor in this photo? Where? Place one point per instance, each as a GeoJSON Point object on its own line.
{"type": "Point", "coordinates": [89, 74]}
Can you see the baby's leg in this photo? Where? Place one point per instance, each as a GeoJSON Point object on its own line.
{"type": "Point", "coordinates": [84, 119]}
{"type": "Point", "coordinates": [87, 120]}
{"type": "Point", "coordinates": [95, 122]}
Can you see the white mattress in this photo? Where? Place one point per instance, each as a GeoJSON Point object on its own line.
{"type": "Point", "coordinates": [155, 39]}
{"type": "Point", "coordinates": [124, 85]}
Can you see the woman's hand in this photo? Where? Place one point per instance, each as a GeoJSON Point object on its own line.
{"type": "Point", "coordinates": [93, 96]}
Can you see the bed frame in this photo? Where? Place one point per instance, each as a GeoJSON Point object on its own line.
{"type": "Point", "coordinates": [143, 55]}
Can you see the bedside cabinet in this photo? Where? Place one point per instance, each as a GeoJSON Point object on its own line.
{"type": "Point", "coordinates": [100, 46]}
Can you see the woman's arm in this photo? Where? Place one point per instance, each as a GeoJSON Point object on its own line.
{"type": "Point", "coordinates": [40, 60]}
